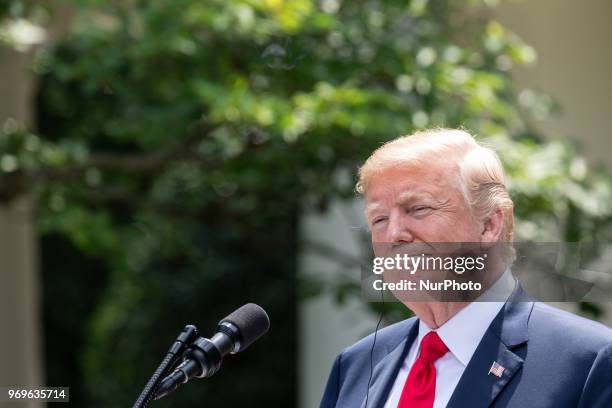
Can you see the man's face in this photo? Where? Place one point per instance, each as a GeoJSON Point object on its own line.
{"type": "Point", "coordinates": [412, 204]}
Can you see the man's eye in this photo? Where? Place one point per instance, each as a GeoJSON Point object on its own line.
{"type": "Point", "coordinates": [420, 209]}
{"type": "Point", "coordinates": [379, 220]}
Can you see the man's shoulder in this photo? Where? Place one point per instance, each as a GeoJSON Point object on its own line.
{"type": "Point", "coordinates": [384, 339]}
{"type": "Point", "coordinates": [350, 375]}
{"type": "Point", "coordinates": [571, 330]}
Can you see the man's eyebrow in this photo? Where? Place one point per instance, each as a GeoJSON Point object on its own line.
{"type": "Point", "coordinates": [370, 208]}
{"type": "Point", "coordinates": [404, 199]}
{"type": "Point", "coordinates": [410, 196]}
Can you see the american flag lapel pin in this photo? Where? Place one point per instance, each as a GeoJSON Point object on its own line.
{"type": "Point", "coordinates": [496, 369]}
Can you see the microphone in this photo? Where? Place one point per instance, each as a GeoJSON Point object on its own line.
{"type": "Point", "coordinates": [234, 333]}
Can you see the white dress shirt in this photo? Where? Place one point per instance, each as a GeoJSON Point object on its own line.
{"type": "Point", "coordinates": [461, 334]}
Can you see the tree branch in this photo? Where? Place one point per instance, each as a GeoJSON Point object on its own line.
{"type": "Point", "coordinates": [20, 182]}
{"type": "Point", "coordinates": [133, 162]}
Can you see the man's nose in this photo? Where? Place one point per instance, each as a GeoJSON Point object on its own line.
{"type": "Point", "coordinates": [398, 230]}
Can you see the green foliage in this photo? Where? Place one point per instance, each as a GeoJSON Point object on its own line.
{"type": "Point", "coordinates": [180, 140]}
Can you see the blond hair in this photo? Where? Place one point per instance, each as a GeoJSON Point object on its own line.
{"type": "Point", "coordinates": [483, 183]}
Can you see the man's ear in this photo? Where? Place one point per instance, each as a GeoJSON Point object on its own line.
{"type": "Point", "coordinates": [492, 227]}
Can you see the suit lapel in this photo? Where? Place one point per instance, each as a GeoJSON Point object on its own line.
{"type": "Point", "coordinates": [385, 371]}
{"type": "Point", "coordinates": [478, 388]}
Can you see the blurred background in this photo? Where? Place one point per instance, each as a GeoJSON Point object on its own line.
{"type": "Point", "coordinates": [164, 162]}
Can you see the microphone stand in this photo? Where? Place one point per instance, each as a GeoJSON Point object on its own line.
{"type": "Point", "coordinates": [176, 351]}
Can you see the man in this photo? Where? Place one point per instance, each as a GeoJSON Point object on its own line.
{"type": "Point", "coordinates": [441, 186]}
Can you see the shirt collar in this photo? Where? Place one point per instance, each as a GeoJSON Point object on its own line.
{"type": "Point", "coordinates": [462, 332]}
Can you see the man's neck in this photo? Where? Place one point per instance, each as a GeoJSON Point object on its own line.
{"type": "Point", "coordinates": [435, 314]}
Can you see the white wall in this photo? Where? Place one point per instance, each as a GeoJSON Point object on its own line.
{"type": "Point", "coordinates": [572, 40]}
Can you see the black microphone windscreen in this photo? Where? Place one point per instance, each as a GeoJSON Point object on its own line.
{"type": "Point", "coordinates": [252, 322]}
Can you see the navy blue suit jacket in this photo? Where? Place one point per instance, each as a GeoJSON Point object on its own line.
{"type": "Point", "coordinates": [552, 359]}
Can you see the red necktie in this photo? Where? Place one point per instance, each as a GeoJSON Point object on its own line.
{"type": "Point", "coordinates": [420, 387]}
